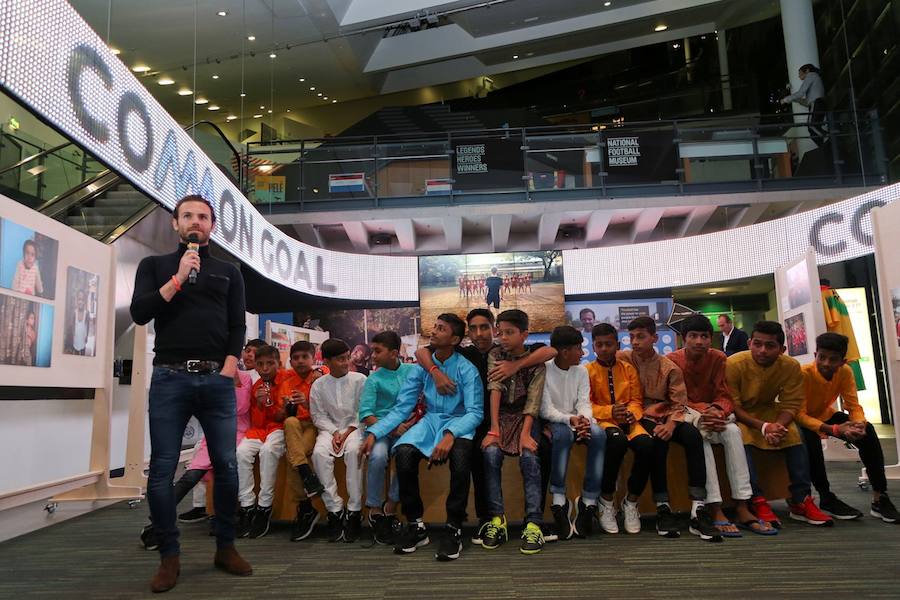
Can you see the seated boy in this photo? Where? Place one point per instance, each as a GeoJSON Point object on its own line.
{"type": "Point", "coordinates": [515, 405]}
{"type": "Point", "coordinates": [665, 400]}
{"type": "Point", "coordinates": [767, 389]}
{"type": "Point", "coordinates": [379, 396]}
{"type": "Point", "coordinates": [444, 433]}
{"type": "Point", "coordinates": [824, 380]}
{"type": "Point", "coordinates": [711, 410]}
{"type": "Point", "coordinates": [265, 438]}
{"type": "Point", "coordinates": [334, 407]}
{"type": "Point", "coordinates": [617, 405]}
{"type": "Point", "coordinates": [300, 435]}
{"type": "Point", "coordinates": [566, 405]}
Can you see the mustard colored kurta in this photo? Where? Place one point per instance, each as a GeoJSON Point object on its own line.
{"type": "Point", "coordinates": [821, 394]}
{"type": "Point", "coordinates": [765, 393]}
{"type": "Point", "coordinates": [627, 388]}
{"type": "Point", "coordinates": [662, 384]}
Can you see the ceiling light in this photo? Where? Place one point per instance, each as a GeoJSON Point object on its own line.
{"type": "Point", "coordinates": [273, 55]}
{"type": "Point", "coordinates": [185, 92]}
{"type": "Point", "coordinates": [212, 107]}
{"type": "Point", "coordinates": [243, 94]}
{"type": "Point", "coordinates": [312, 89]}
{"type": "Point", "coordinates": [222, 13]}
{"type": "Point", "coordinates": [713, 293]}
{"type": "Point", "coordinates": [140, 68]}
{"type": "Point", "coordinates": [251, 38]}
{"type": "Point", "coordinates": [288, 110]}
{"type": "Point", "coordinates": [302, 79]}
{"type": "Point", "coordinates": [515, 56]}
{"type": "Point", "coordinates": [166, 81]}
{"type": "Point", "coordinates": [325, 98]}
{"type": "Point", "coordinates": [115, 51]}
{"type": "Point", "coordinates": [607, 3]}
{"type": "Point", "coordinates": [231, 117]}
{"type": "Point", "coordinates": [333, 101]}
{"type": "Point", "coordinates": [661, 27]}
{"type": "Point", "coordinates": [530, 19]}
{"type": "Point", "coordinates": [269, 111]}
{"type": "Point", "coordinates": [676, 46]}
{"type": "Point", "coordinates": [215, 76]}
{"type": "Point", "coordinates": [201, 101]}
{"type": "Point", "coordinates": [262, 106]}
{"type": "Point", "coordinates": [319, 94]}
{"type": "Point", "coordinates": [257, 116]}
{"type": "Point", "coordinates": [265, 168]}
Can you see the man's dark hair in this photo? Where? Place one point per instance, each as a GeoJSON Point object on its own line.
{"type": "Point", "coordinates": [254, 343]}
{"type": "Point", "coordinates": [195, 198]}
{"type": "Point", "coordinates": [643, 323]}
{"type": "Point", "coordinates": [697, 323]}
{"type": "Point", "coordinates": [267, 351]}
{"type": "Point", "coordinates": [810, 68]}
{"type": "Point", "coordinates": [834, 342]}
{"type": "Point", "coordinates": [303, 346]}
{"type": "Point", "coordinates": [586, 310]}
{"type": "Point", "coordinates": [724, 316]}
{"type": "Point", "coordinates": [388, 339]}
{"type": "Point", "coordinates": [601, 329]}
{"type": "Point", "coordinates": [769, 328]}
{"type": "Point", "coordinates": [565, 336]}
{"type": "Point", "coordinates": [334, 347]}
{"type": "Point", "coordinates": [456, 325]}
{"type": "Point", "coordinates": [515, 317]}
{"type": "Point", "coordinates": [480, 312]}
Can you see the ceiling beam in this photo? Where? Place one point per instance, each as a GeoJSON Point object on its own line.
{"type": "Point", "coordinates": [645, 223]}
{"type": "Point", "coordinates": [309, 234]}
{"type": "Point", "coordinates": [359, 236]}
{"type": "Point", "coordinates": [548, 227]}
{"type": "Point", "coordinates": [696, 220]}
{"type": "Point", "coordinates": [453, 233]}
{"type": "Point", "coordinates": [596, 227]}
{"type": "Point", "coordinates": [747, 215]}
{"type": "Point", "coordinates": [500, 225]}
{"type": "Point", "coordinates": [406, 234]}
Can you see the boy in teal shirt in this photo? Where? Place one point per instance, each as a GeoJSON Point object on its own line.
{"type": "Point", "coordinates": [378, 398]}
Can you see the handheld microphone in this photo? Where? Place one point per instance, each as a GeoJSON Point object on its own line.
{"type": "Point", "coordinates": [193, 246]}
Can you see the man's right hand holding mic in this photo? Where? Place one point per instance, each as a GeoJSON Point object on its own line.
{"type": "Point", "coordinates": [189, 265]}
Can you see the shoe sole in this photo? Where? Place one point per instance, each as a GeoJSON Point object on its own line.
{"type": "Point", "coordinates": [448, 557]}
{"type": "Point", "coordinates": [418, 545]}
{"type": "Point", "coordinates": [529, 552]}
{"type": "Point", "coordinates": [494, 547]}
{"type": "Point", "coordinates": [197, 520]}
{"type": "Point", "coordinates": [263, 532]}
{"type": "Point", "coordinates": [668, 534]}
{"type": "Point", "coordinates": [706, 537]}
{"type": "Point", "coordinates": [809, 521]}
{"type": "Point", "coordinates": [308, 531]}
{"type": "Point", "coordinates": [476, 541]}
{"type": "Point", "coordinates": [843, 517]}
{"type": "Point", "coordinates": [877, 515]}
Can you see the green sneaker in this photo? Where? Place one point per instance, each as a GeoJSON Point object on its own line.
{"type": "Point", "coordinates": [532, 539]}
{"type": "Point", "coordinates": [493, 533]}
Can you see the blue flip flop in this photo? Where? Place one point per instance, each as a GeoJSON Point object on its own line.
{"type": "Point", "coordinates": [748, 525]}
{"type": "Point", "coordinates": [727, 534]}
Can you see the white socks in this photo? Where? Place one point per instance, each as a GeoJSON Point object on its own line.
{"type": "Point", "coordinates": [695, 504]}
{"type": "Point", "coordinates": [606, 503]}
{"type": "Point", "coordinates": [589, 501]}
{"type": "Point", "coordinates": [559, 499]}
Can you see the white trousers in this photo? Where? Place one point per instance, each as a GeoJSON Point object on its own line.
{"type": "Point", "coordinates": [323, 462]}
{"type": "Point", "coordinates": [200, 494]}
{"type": "Point", "coordinates": [735, 459]}
{"type": "Point", "coordinates": [270, 452]}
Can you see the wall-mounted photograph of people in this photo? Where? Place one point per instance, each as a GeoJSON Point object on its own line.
{"type": "Point", "coordinates": [584, 314]}
{"type": "Point", "coordinates": [27, 260]}
{"type": "Point", "coordinates": [795, 335]}
{"type": "Point", "coordinates": [529, 281]}
{"type": "Point", "coordinates": [80, 337]}
{"type": "Point", "coordinates": [895, 304]}
{"type": "Point", "coordinates": [798, 286]}
{"type": "Point", "coordinates": [26, 332]}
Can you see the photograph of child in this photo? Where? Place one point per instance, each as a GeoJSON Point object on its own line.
{"type": "Point", "coordinates": [27, 261]}
{"type": "Point", "coordinates": [81, 313]}
{"type": "Point", "coordinates": [26, 332]}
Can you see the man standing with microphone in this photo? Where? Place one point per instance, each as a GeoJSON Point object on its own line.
{"type": "Point", "coordinates": [197, 302]}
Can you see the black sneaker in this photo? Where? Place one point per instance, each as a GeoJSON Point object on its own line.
{"type": "Point", "coordinates": [702, 525]}
{"type": "Point", "coordinates": [585, 518]}
{"type": "Point", "coordinates": [352, 526]}
{"type": "Point", "coordinates": [149, 538]}
{"type": "Point", "coordinates": [262, 516]}
{"type": "Point", "coordinates": [549, 532]}
{"type": "Point", "coordinates": [884, 509]}
{"type": "Point", "coordinates": [837, 508]}
{"type": "Point", "coordinates": [335, 526]}
{"type": "Point", "coordinates": [451, 545]}
{"type": "Point", "coordinates": [312, 485]}
{"type": "Point", "coordinates": [562, 520]}
{"type": "Point", "coordinates": [532, 539]}
{"type": "Point", "coordinates": [303, 525]}
{"type": "Point", "coordinates": [666, 522]}
{"type": "Point", "coordinates": [244, 519]}
{"type": "Point", "coordinates": [198, 513]}
{"type": "Point", "coordinates": [494, 533]}
{"type": "Point", "coordinates": [212, 526]}
{"type": "Point", "coordinates": [476, 538]}
{"type": "Point", "coordinates": [383, 528]}
{"type": "Point", "coordinates": [411, 538]}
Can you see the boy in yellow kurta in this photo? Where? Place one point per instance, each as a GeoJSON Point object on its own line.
{"type": "Point", "coordinates": [824, 380]}
{"type": "Point", "coordinates": [617, 403]}
{"type": "Point", "coordinates": [767, 388]}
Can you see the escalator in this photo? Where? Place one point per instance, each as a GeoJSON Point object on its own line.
{"type": "Point", "coordinates": [70, 186]}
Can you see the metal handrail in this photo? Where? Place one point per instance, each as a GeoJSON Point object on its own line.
{"type": "Point", "coordinates": [42, 154]}
{"type": "Point", "coordinates": [56, 205]}
{"type": "Point", "coordinates": [128, 223]}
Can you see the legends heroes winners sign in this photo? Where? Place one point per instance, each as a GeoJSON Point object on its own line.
{"type": "Point", "coordinates": [480, 164]}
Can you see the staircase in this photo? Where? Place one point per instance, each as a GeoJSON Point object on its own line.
{"type": "Point", "coordinates": [107, 212]}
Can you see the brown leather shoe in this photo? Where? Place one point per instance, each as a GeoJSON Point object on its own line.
{"type": "Point", "coordinates": [167, 574]}
{"type": "Point", "coordinates": [228, 559]}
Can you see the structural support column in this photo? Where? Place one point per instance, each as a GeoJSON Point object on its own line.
{"type": "Point", "coordinates": [799, 30]}
{"type": "Point", "coordinates": [724, 74]}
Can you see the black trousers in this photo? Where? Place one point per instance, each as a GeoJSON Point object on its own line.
{"type": "Point", "coordinates": [617, 443]}
{"type": "Point", "coordinates": [187, 482]}
{"type": "Point", "coordinates": [690, 439]}
{"type": "Point", "coordinates": [870, 454]}
{"type": "Point", "coordinates": [407, 459]}
{"type": "Point", "coordinates": [816, 123]}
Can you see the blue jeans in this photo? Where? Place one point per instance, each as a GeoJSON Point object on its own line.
{"type": "Point", "coordinates": [531, 477]}
{"type": "Point", "coordinates": [174, 397]}
{"type": "Point", "coordinates": [797, 462]}
{"type": "Point", "coordinates": [379, 466]}
{"type": "Point", "coordinates": [563, 438]}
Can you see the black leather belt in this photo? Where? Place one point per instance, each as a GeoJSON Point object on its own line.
{"type": "Point", "coordinates": [194, 366]}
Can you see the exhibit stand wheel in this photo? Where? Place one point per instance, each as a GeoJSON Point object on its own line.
{"type": "Point", "coordinates": [51, 507]}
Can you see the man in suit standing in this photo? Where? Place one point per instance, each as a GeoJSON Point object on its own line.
{"type": "Point", "coordinates": [732, 340]}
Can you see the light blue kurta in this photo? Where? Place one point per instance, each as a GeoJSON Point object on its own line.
{"type": "Point", "coordinates": [459, 413]}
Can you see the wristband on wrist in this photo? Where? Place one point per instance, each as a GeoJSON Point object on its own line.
{"type": "Point", "coordinates": [176, 284]}
{"type": "Point", "coordinates": [763, 428]}
{"type": "Point", "coordinates": [835, 430]}
{"type": "Point", "coordinates": [494, 433]}
{"type": "Point", "coordinates": [433, 367]}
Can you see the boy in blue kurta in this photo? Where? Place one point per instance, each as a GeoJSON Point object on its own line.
{"type": "Point", "coordinates": [444, 433]}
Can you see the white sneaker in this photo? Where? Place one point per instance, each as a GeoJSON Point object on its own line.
{"type": "Point", "coordinates": [608, 517]}
{"type": "Point", "coordinates": [632, 517]}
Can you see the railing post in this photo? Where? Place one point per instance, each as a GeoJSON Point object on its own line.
{"type": "Point", "coordinates": [835, 153]}
{"type": "Point", "coordinates": [757, 165]}
{"type": "Point", "coordinates": [525, 177]}
{"type": "Point", "coordinates": [452, 154]}
{"type": "Point", "coordinates": [375, 173]}
{"type": "Point", "coordinates": [881, 161]}
{"type": "Point", "coordinates": [679, 165]}
{"type": "Point", "coordinates": [302, 177]}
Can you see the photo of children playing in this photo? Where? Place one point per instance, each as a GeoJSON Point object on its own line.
{"type": "Point", "coordinates": [27, 261]}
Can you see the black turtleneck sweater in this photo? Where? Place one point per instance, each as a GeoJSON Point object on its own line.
{"type": "Point", "coordinates": [204, 321]}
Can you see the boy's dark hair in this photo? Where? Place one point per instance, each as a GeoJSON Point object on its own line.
{"type": "Point", "coordinates": [29, 243]}
{"type": "Point", "coordinates": [834, 342]}
{"type": "Point", "coordinates": [267, 351]}
{"type": "Point", "coordinates": [334, 347]}
{"type": "Point", "coordinates": [456, 324]}
{"type": "Point", "coordinates": [388, 339]}
{"type": "Point", "coordinates": [515, 317]}
{"type": "Point", "coordinates": [480, 312]}
{"type": "Point", "coordinates": [254, 343]}
{"type": "Point", "coordinates": [565, 336]}
{"type": "Point", "coordinates": [769, 328]}
{"type": "Point", "coordinates": [303, 346]}
{"type": "Point", "coordinates": [697, 323]}
{"type": "Point", "coordinates": [195, 198]}
{"type": "Point", "coordinates": [643, 323]}
{"type": "Point", "coordinates": [601, 329]}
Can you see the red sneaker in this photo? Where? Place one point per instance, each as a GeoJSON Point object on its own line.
{"type": "Point", "coordinates": [808, 512]}
{"type": "Point", "coordinates": [760, 507]}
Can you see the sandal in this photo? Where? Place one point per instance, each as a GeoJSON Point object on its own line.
{"type": "Point", "coordinates": [731, 532]}
{"type": "Point", "coordinates": [758, 527]}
